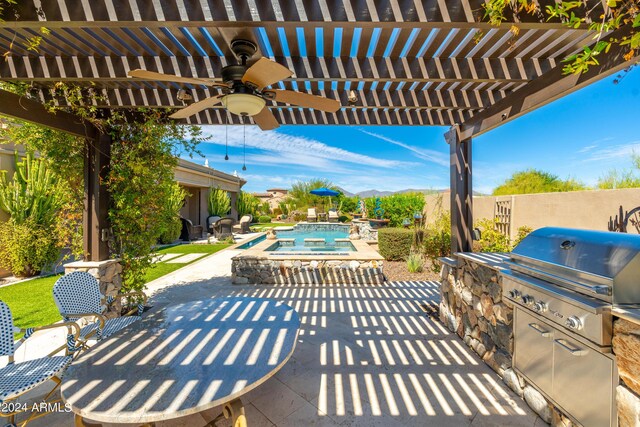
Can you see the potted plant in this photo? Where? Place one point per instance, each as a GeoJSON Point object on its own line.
{"type": "Point", "coordinates": [378, 221]}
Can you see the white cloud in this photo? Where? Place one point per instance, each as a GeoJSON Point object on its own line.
{"type": "Point", "coordinates": [616, 152]}
{"type": "Point", "coordinates": [422, 153]}
{"type": "Point", "coordinates": [310, 152]}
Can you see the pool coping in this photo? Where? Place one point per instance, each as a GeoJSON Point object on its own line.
{"type": "Point", "coordinates": [363, 252]}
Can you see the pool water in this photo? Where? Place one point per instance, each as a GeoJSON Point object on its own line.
{"type": "Point", "coordinates": [328, 236]}
{"type": "Point", "coordinates": [329, 233]}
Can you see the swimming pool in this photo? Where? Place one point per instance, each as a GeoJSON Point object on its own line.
{"type": "Point", "coordinates": [313, 238]}
{"type": "Point", "coordinates": [307, 238]}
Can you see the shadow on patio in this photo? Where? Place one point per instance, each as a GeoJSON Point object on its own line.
{"type": "Point", "coordinates": [366, 356]}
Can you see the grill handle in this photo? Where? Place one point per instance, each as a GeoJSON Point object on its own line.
{"type": "Point", "coordinates": [539, 330]}
{"type": "Point", "coordinates": [577, 351]}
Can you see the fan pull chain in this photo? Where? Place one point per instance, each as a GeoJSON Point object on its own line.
{"type": "Point", "coordinates": [226, 136]}
{"type": "Point", "coordinates": [244, 148]}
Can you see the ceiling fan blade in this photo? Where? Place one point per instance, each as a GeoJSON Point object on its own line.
{"type": "Point", "coordinates": [196, 107]}
{"type": "Point", "coordinates": [152, 75]}
{"type": "Point", "coordinates": [265, 119]}
{"type": "Point", "coordinates": [302, 99]}
{"type": "Point", "coordinates": [265, 72]}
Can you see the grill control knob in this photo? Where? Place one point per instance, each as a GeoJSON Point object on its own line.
{"type": "Point", "coordinates": [540, 306]}
{"type": "Point", "coordinates": [573, 323]}
{"type": "Point", "coordinates": [514, 294]}
{"type": "Point", "coordinates": [528, 299]}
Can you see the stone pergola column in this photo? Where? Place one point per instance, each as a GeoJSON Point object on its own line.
{"type": "Point", "coordinates": [461, 191]}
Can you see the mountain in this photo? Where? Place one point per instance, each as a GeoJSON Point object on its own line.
{"type": "Point", "coordinates": [345, 192]}
{"type": "Point", "coordinates": [379, 193]}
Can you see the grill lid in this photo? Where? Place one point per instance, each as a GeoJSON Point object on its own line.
{"type": "Point", "coordinates": [603, 264]}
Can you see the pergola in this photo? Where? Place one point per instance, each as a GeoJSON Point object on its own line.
{"type": "Point", "coordinates": [410, 62]}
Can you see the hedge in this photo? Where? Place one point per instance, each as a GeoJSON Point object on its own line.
{"type": "Point", "coordinates": [395, 243]}
{"type": "Point", "coordinates": [264, 219]}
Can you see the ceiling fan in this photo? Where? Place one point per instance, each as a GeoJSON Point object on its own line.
{"type": "Point", "coordinates": [243, 88]}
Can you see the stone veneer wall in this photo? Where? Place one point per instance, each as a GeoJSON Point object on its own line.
{"type": "Point", "coordinates": [305, 272]}
{"type": "Point", "coordinates": [472, 306]}
{"type": "Point", "coordinates": [366, 232]}
{"type": "Point", "coordinates": [109, 275]}
{"type": "Point", "coordinates": [626, 346]}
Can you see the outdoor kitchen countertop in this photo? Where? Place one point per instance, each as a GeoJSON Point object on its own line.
{"type": "Point", "coordinates": [494, 260]}
{"type": "Point", "coordinates": [630, 314]}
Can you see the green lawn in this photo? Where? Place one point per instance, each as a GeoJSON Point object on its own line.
{"type": "Point", "coordinates": [32, 304]}
{"type": "Point", "coordinates": [162, 268]}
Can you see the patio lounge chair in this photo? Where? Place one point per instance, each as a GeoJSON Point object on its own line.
{"type": "Point", "coordinates": [17, 379]}
{"type": "Point", "coordinates": [333, 216]}
{"type": "Point", "coordinates": [311, 215]}
{"type": "Point", "coordinates": [211, 220]}
{"type": "Point", "coordinates": [77, 296]}
{"type": "Point", "coordinates": [223, 228]}
{"type": "Point", "coordinates": [190, 231]}
{"type": "Point", "coordinates": [244, 226]}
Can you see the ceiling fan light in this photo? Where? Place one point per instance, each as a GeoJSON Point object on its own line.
{"type": "Point", "coordinates": [243, 104]}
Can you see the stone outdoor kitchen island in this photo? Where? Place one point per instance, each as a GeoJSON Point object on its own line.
{"type": "Point", "coordinates": [473, 306]}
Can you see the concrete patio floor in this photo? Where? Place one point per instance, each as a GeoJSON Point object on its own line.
{"type": "Point", "coordinates": [366, 356]}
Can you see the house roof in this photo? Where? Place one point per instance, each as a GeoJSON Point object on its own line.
{"type": "Point", "coordinates": [194, 167]}
{"type": "Point", "coordinates": [428, 62]}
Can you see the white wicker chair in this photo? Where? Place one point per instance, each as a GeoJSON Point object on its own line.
{"type": "Point", "coordinates": [77, 295]}
{"type": "Point", "coordinates": [17, 379]}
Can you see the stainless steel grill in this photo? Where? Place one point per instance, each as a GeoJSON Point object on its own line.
{"type": "Point", "coordinates": [564, 283]}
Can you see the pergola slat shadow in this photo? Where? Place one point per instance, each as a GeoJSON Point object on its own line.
{"type": "Point", "coordinates": [419, 63]}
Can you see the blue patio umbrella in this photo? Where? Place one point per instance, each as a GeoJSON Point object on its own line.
{"type": "Point", "coordinates": [322, 191]}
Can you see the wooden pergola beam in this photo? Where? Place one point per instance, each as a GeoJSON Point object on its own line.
{"type": "Point", "coordinates": [547, 88]}
{"type": "Point", "coordinates": [20, 107]}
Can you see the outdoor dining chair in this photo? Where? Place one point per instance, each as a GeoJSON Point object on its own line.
{"type": "Point", "coordinates": [17, 379]}
{"type": "Point", "coordinates": [77, 296]}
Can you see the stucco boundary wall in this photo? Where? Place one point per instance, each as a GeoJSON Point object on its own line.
{"type": "Point", "coordinates": [576, 209]}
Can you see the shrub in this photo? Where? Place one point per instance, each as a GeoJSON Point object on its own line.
{"type": "Point", "coordinates": [523, 231]}
{"type": "Point", "coordinates": [344, 218]}
{"type": "Point", "coordinates": [397, 207]}
{"type": "Point", "coordinates": [27, 248]}
{"type": "Point", "coordinates": [298, 216]}
{"type": "Point", "coordinates": [492, 240]}
{"type": "Point", "coordinates": [264, 219]}
{"type": "Point", "coordinates": [247, 204]}
{"type": "Point", "coordinates": [395, 243]}
{"type": "Point", "coordinates": [33, 199]}
{"type": "Point", "coordinates": [415, 263]}
{"type": "Point", "coordinates": [219, 203]}
{"type": "Point", "coordinates": [437, 239]}
{"type": "Point", "coordinates": [171, 225]}
{"type": "Point", "coordinates": [33, 194]}
{"type": "Point", "coordinates": [171, 232]}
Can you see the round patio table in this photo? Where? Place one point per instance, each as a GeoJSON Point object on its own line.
{"type": "Point", "coordinates": [181, 360]}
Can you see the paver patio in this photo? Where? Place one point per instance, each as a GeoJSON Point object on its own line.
{"type": "Point", "coordinates": [366, 356]}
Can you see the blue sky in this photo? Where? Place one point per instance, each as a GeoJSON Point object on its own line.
{"type": "Point", "coordinates": [580, 136]}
